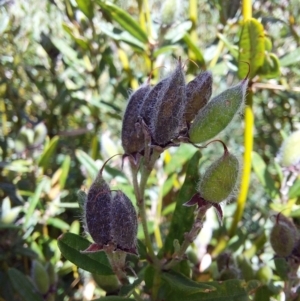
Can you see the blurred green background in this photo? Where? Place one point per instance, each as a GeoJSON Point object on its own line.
{"type": "Point", "coordinates": [66, 70]}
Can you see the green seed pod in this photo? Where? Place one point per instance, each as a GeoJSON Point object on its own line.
{"type": "Point", "coordinates": [290, 150]}
{"type": "Point", "coordinates": [132, 135]}
{"type": "Point", "coordinates": [40, 277]}
{"type": "Point", "coordinates": [169, 108]}
{"type": "Point", "coordinates": [218, 113]}
{"type": "Point", "coordinates": [198, 93]}
{"type": "Point", "coordinates": [230, 273]}
{"type": "Point", "coordinates": [282, 239]}
{"type": "Point", "coordinates": [220, 179]}
{"type": "Point", "coordinates": [97, 211]}
{"type": "Point", "coordinates": [124, 223]}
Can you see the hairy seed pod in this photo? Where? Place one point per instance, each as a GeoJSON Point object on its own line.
{"type": "Point", "coordinates": [148, 106]}
{"type": "Point", "coordinates": [169, 108]}
{"type": "Point", "coordinates": [198, 93]}
{"type": "Point", "coordinates": [123, 223]}
{"type": "Point", "coordinates": [97, 213]}
{"type": "Point", "coordinates": [290, 150]}
{"type": "Point", "coordinates": [220, 179]}
{"type": "Point", "coordinates": [132, 135]}
{"type": "Point", "coordinates": [218, 113]}
{"type": "Point", "coordinates": [282, 239]}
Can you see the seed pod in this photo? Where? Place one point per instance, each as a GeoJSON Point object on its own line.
{"type": "Point", "coordinates": [97, 211]}
{"type": "Point", "coordinates": [198, 93]}
{"type": "Point", "coordinates": [123, 223]}
{"type": "Point", "coordinates": [218, 113]}
{"type": "Point", "coordinates": [40, 277]}
{"type": "Point", "coordinates": [132, 135]}
{"type": "Point", "coordinates": [148, 106]}
{"type": "Point", "coordinates": [282, 239]}
{"type": "Point", "coordinates": [169, 108]}
{"type": "Point", "coordinates": [220, 179]}
{"type": "Point", "coordinates": [290, 150]}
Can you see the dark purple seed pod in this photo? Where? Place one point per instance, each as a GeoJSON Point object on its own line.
{"type": "Point", "coordinates": [124, 223]}
{"type": "Point", "coordinates": [97, 211]}
{"type": "Point", "coordinates": [149, 103]}
{"type": "Point", "coordinates": [132, 135]}
{"type": "Point", "coordinates": [169, 108]}
{"type": "Point", "coordinates": [198, 93]}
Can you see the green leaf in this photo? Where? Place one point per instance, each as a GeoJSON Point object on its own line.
{"type": "Point", "coordinates": [23, 286]}
{"type": "Point", "coordinates": [58, 223]}
{"type": "Point", "coordinates": [183, 217]}
{"type": "Point", "coordinates": [48, 152]}
{"type": "Point", "coordinates": [87, 162]}
{"type": "Point", "coordinates": [194, 48]}
{"type": "Point", "coordinates": [251, 48]}
{"type": "Point", "coordinates": [124, 20]}
{"type": "Point", "coordinates": [282, 268]}
{"type": "Point", "coordinates": [184, 286]}
{"type": "Point", "coordinates": [263, 294]}
{"type": "Point", "coordinates": [291, 58]}
{"type": "Point", "coordinates": [34, 200]}
{"type": "Point", "coordinates": [233, 49]}
{"type": "Point", "coordinates": [86, 6]}
{"type": "Point", "coordinates": [65, 171]}
{"type": "Point", "coordinates": [70, 246]}
{"type": "Point", "coordinates": [260, 169]}
{"type": "Point", "coordinates": [270, 67]}
{"type": "Point", "coordinates": [294, 191]}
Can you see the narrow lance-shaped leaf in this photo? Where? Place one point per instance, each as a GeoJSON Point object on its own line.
{"type": "Point", "coordinates": [251, 48]}
{"type": "Point", "coordinates": [124, 20]}
{"type": "Point", "coordinates": [71, 246]}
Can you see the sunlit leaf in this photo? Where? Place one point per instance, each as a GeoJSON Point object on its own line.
{"type": "Point", "coordinates": [124, 20]}
{"type": "Point", "coordinates": [251, 48]}
{"type": "Point", "coordinates": [86, 6]}
{"type": "Point", "coordinates": [48, 152]}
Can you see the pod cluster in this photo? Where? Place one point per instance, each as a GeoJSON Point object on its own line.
{"type": "Point", "coordinates": [110, 217]}
{"type": "Point", "coordinates": [173, 109]}
{"type": "Point", "coordinates": [285, 238]}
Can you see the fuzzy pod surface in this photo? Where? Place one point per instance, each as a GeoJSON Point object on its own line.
{"type": "Point", "coordinates": [290, 150]}
{"type": "Point", "coordinates": [218, 113]}
{"type": "Point", "coordinates": [198, 93]}
{"type": "Point", "coordinates": [148, 106]}
{"type": "Point", "coordinates": [97, 211]}
{"type": "Point", "coordinates": [169, 108]}
{"type": "Point", "coordinates": [220, 179]}
{"type": "Point", "coordinates": [123, 223]}
{"type": "Point", "coordinates": [132, 136]}
{"type": "Point", "coordinates": [282, 239]}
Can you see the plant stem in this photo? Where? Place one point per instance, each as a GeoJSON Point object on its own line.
{"type": "Point", "coordinates": [189, 237]}
{"type": "Point", "coordinates": [139, 190]}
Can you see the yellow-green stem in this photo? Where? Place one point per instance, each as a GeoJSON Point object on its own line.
{"type": "Point", "coordinates": [248, 145]}
{"type": "Point", "coordinates": [248, 142]}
